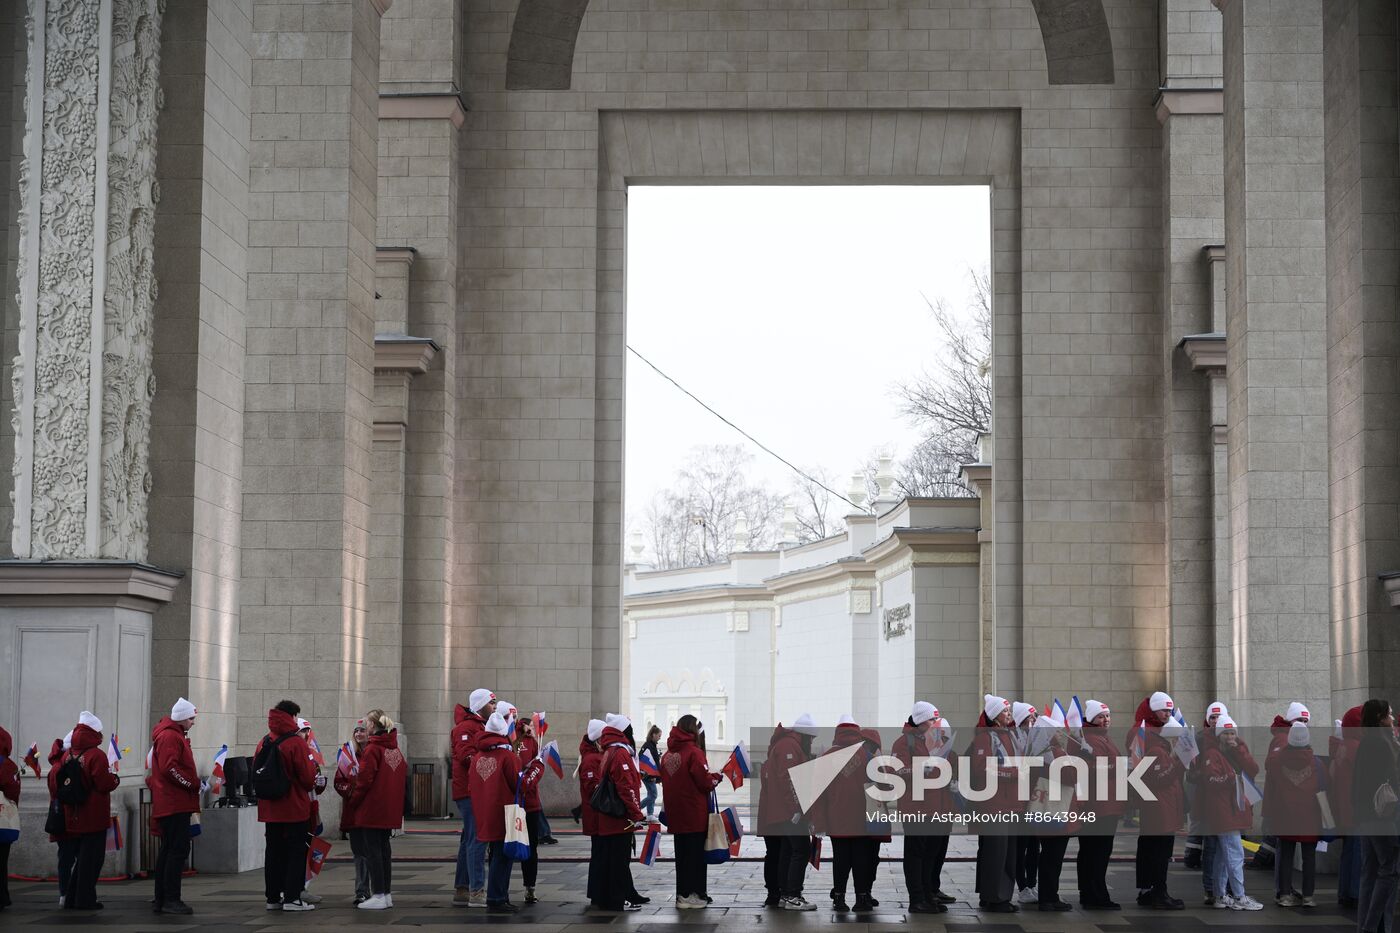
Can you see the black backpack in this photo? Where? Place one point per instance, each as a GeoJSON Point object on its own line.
{"type": "Point", "coordinates": [73, 787]}
{"type": "Point", "coordinates": [605, 799]}
{"type": "Point", "coordinates": [270, 781]}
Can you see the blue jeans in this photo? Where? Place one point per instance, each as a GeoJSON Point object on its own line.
{"type": "Point", "coordinates": [649, 800]}
{"type": "Point", "coordinates": [498, 879]}
{"type": "Point", "coordinates": [471, 855]}
{"type": "Point", "coordinates": [1229, 865]}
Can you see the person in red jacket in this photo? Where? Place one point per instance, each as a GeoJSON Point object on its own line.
{"type": "Point", "coordinates": [529, 791]}
{"type": "Point", "coordinates": [287, 818]}
{"type": "Point", "coordinates": [468, 722]}
{"type": "Point", "coordinates": [1224, 812]}
{"type": "Point", "coordinates": [494, 776]}
{"type": "Point", "coordinates": [1342, 746]}
{"type": "Point", "coordinates": [687, 782]}
{"type": "Point", "coordinates": [615, 889]}
{"type": "Point", "coordinates": [1096, 838]}
{"type": "Point", "coordinates": [1151, 735]}
{"type": "Point", "coordinates": [9, 788]}
{"type": "Point", "coordinates": [66, 841]}
{"type": "Point", "coordinates": [344, 784]}
{"type": "Point", "coordinates": [925, 842]}
{"type": "Point", "coordinates": [590, 759]}
{"type": "Point", "coordinates": [376, 801]}
{"type": "Point", "coordinates": [529, 750]}
{"type": "Point", "coordinates": [992, 744]}
{"type": "Point", "coordinates": [781, 822]}
{"type": "Point", "coordinates": [839, 813]}
{"type": "Point", "coordinates": [1291, 806]}
{"type": "Point", "coordinates": [91, 819]}
{"type": "Point", "coordinates": [174, 784]}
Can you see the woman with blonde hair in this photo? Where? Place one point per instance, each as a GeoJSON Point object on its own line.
{"type": "Point", "coordinates": [344, 785]}
{"type": "Point", "coordinates": [377, 802]}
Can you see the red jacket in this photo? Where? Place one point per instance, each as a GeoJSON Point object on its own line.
{"type": "Point", "coordinates": [840, 810]}
{"type": "Point", "coordinates": [301, 771]}
{"type": "Point", "coordinates": [687, 782]}
{"type": "Point", "coordinates": [912, 744]}
{"type": "Point", "coordinates": [590, 763]}
{"type": "Point", "coordinates": [9, 771]}
{"type": "Point", "coordinates": [1216, 774]}
{"type": "Point", "coordinates": [530, 786]}
{"type": "Point", "coordinates": [56, 754]}
{"type": "Point", "coordinates": [1163, 816]}
{"type": "Point", "coordinates": [495, 772]}
{"type": "Point", "coordinates": [1101, 746]}
{"type": "Point", "coordinates": [1290, 793]}
{"type": "Point", "coordinates": [993, 743]}
{"type": "Point", "coordinates": [466, 726]}
{"type": "Point", "coordinates": [173, 780]}
{"type": "Point", "coordinates": [528, 749]}
{"type": "Point", "coordinates": [95, 813]}
{"type": "Point", "coordinates": [1343, 761]}
{"type": "Point", "coordinates": [344, 783]}
{"type": "Point", "coordinates": [618, 764]}
{"type": "Point", "coordinates": [777, 803]}
{"type": "Point", "coordinates": [376, 799]}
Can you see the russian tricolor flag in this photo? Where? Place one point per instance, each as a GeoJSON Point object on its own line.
{"type": "Point", "coordinates": [31, 758]}
{"type": "Point", "coordinates": [651, 845]}
{"type": "Point", "coordinates": [114, 753]}
{"type": "Point", "coordinates": [1074, 716]}
{"type": "Point", "coordinates": [647, 766]}
{"type": "Point", "coordinates": [315, 747]}
{"type": "Point", "coordinates": [345, 760]}
{"type": "Point", "coordinates": [216, 777]}
{"type": "Point", "coordinates": [737, 767]}
{"type": "Point", "coordinates": [551, 758]}
{"type": "Point", "coordinates": [539, 725]}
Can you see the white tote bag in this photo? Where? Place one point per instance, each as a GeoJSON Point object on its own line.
{"type": "Point", "coordinates": [9, 820]}
{"type": "Point", "coordinates": [517, 841]}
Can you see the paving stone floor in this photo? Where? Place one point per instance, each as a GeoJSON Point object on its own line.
{"type": "Point", "coordinates": [423, 879]}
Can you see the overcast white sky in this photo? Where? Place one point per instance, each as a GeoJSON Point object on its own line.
{"type": "Point", "coordinates": [793, 311]}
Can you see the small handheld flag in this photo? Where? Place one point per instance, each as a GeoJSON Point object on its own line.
{"type": "Point", "coordinates": [651, 845]}
{"type": "Point", "coordinates": [737, 767]}
{"type": "Point", "coordinates": [1074, 716]}
{"type": "Point", "coordinates": [551, 758]}
{"type": "Point", "coordinates": [733, 826]}
{"type": "Point", "coordinates": [647, 766]}
{"type": "Point", "coordinates": [216, 777]}
{"type": "Point", "coordinates": [316, 857]}
{"type": "Point", "coordinates": [114, 754]}
{"type": "Point", "coordinates": [151, 758]}
{"type": "Point", "coordinates": [315, 747]}
{"type": "Point", "coordinates": [31, 759]}
{"type": "Point", "coordinates": [345, 760]}
{"type": "Point", "coordinates": [538, 723]}
{"type": "Point", "coordinates": [1249, 791]}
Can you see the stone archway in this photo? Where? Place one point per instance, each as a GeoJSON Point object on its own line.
{"type": "Point", "coordinates": [1078, 44]}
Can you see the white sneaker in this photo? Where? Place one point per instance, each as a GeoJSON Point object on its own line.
{"type": "Point", "coordinates": [1288, 900]}
{"type": "Point", "coordinates": [298, 905]}
{"type": "Point", "coordinates": [374, 903]}
{"type": "Point", "coordinates": [1245, 902]}
{"type": "Point", "coordinates": [1307, 901]}
{"type": "Point", "coordinates": [310, 898]}
{"type": "Point", "coordinates": [388, 900]}
{"type": "Point", "coordinates": [1029, 896]}
{"type": "Point", "coordinates": [1224, 902]}
{"type": "Point", "coordinates": [477, 899]}
{"type": "Point", "coordinates": [690, 902]}
{"type": "Point", "coordinates": [797, 903]}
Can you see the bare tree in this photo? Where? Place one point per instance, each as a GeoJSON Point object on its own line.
{"type": "Point", "coordinates": [818, 512]}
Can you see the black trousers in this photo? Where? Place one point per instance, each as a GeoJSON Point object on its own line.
{"type": "Point", "coordinates": [67, 858]}
{"type": "Point", "coordinates": [595, 867]}
{"type": "Point", "coordinates": [1154, 854]}
{"type": "Point", "coordinates": [284, 860]}
{"type": "Point", "coordinates": [1091, 864]}
{"type": "Point", "coordinates": [614, 872]}
{"type": "Point", "coordinates": [1283, 867]}
{"type": "Point", "coordinates": [530, 867]}
{"type": "Point", "coordinates": [378, 851]}
{"type": "Point", "coordinates": [170, 861]}
{"type": "Point", "coordinates": [996, 868]}
{"type": "Point", "coordinates": [1027, 860]}
{"type": "Point", "coordinates": [854, 855]}
{"type": "Point", "coordinates": [1050, 863]}
{"type": "Point", "coordinates": [923, 866]}
{"type": "Point", "coordinates": [4, 874]}
{"type": "Point", "coordinates": [82, 884]}
{"type": "Point", "coordinates": [785, 864]}
{"type": "Point", "coordinates": [691, 869]}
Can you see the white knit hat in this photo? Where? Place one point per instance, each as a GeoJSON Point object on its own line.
{"type": "Point", "coordinates": [595, 729]}
{"type": "Point", "coordinates": [617, 721]}
{"type": "Point", "coordinates": [86, 718]}
{"type": "Point", "coordinates": [1297, 712]}
{"type": "Point", "coordinates": [507, 708]}
{"type": "Point", "coordinates": [479, 698]}
{"type": "Point", "coordinates": [1298, 735]}
{"type": "Point", "coordinates": [1223, 723]}
{"type": "Point", "coordinates": [1160, 701]}
{"type": "Point", "coordinates": [805, 724]}
{"type": "Point", "coordinates": [1019, 712]}
{"type": "Point", "coordinates": [993, 705]}
{"type": "Point", "coordinates": [1093, 709]}
{"type": "Point", "coordinates": [497, 724]}
{"type": "Point", "coordinates": [68, 740]}
{"type": "Point", "coordinates": [923, 712]}
{"type": "Point", "coordinates": [302, 724]}
{"type": "Point", "coordinates": [846, 719]}
{"type": "Point", "coordinates": [1217, 707]}
{"type": "Point", "coordinates": [182, 710]}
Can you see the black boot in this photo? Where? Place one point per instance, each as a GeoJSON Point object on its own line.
{"type": "Point", "coordinates": [838, 903]}
{"type": "Point", "coordinates": [864, 904]}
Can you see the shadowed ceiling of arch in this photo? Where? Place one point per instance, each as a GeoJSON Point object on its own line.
{"type": "Point", "coordinates": [1078, 46]}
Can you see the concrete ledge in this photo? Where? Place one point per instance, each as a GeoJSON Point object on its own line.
{"type": "Point", "coordinates": [423, 107]}
{"type": "Point", "coordinates": [85, 583]}
{"type": "Point", "coordinates": [1194, 100]}
{"type": "Point", "coordinates": [1205, 351]}
{"type": "Point", "coordinates": [230, 840]}
{"type": "Point", "coordinates": [1391, 582]}
{"type": "Point", "coordinates": [401, 353]}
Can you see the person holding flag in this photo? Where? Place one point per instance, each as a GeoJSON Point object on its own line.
{"type": "Point", "coordinates": [67, 842]}
{"type": "Point", "coordinates": [527, 746]}
{"type": "Point", "coordinates": [1096, 845]}
{"type": "Point", "coordinates": [781, 822]}
{"type": "Point", "coordinates": [649, 761]}
{"type": "Point", "coordinates": [1219, 773]}
{"type": "Point", "coordinates": [589, 774]}
{"type": "Point", "coordinates": [687, 781]}
{"type": "Point", "coordinates": [1200, 847]}
{"type": "Point", "coordinates": [468, 722]}
{"type": "Point", "coordinates": [992, 743]}
{"type": "Point", "coordinates": [85, 782]}
{"type": "Point", "coordinates": [347, 766]}
{"type": "Point", "coordinates": [530, 777]}
{"type": "Point", "coordinates": [1291, 805]}
{"type": "Point", "coordinates": [615, 890]}
{"type": "Point", "coordinates": [313, 826]}
{"type": "Point", "coordinates": [31, 760]}
{"type": "Point", "coordinates": [840, 813]}
{"type": "Point", "coordinates": [376, 801]}
{"type": "Point", "coordinates": [174, 784]}
{"type": "Point", "coordinates": [495, 773]}
{"type": "Point", "coordinates": [9, 788]}
{"type": "Point", "coordinates": [284, 776]}
{"type": "Point", "coordinates": [925, 842]}
{"type": "Point", "coordinates": [1151, 735]}
{"type": "Point", "coordinates": [1024, 717]}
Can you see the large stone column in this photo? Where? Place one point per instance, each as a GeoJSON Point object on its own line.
{"type": "Point", "coordinates": [1363, 336]}
{"type": "Point", "coordinates": [1276, 353]}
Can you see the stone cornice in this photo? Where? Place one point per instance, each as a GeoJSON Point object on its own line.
{"type": "Point", "coordinates": [446, 106]}
{"type": "Point", "coordinates": [924, 541]}
{"type": "Point", "coordinates": [401, 353]}
{"type": "Point", "coordinates": [1205, 351]}
{"type": "Point", "coordinates": [404, 254]}
{"type": "Point", "coordinates": [1196, 100]}
{"type": "Point", "coordinates": [391, 432]}
{"type": "Point", "coordinates": [1391, 583]}
{"type": "Point", "coordinates": [977, 473]}
{"type": "Point", "coordinates": [844, 569]}
{"type": "Point", "coordinates": [1214, 252]}
{"type": "Point", "coordinates": [72, 583]}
